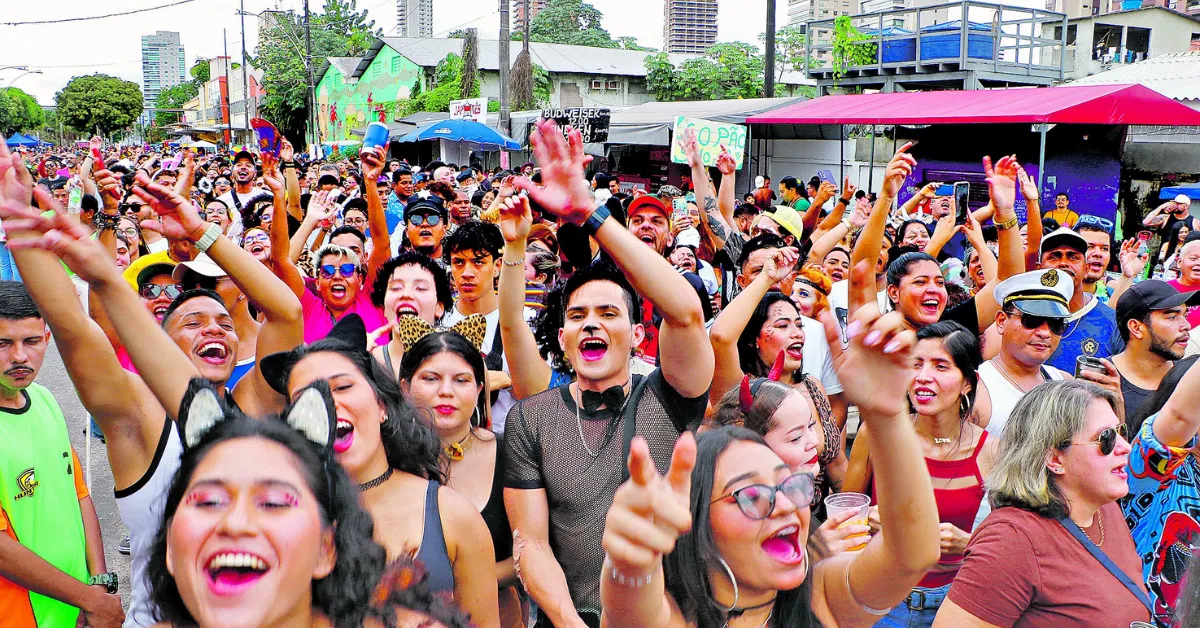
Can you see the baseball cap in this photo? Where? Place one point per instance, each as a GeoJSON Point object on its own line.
{"type": "Point", "coordinates": [146, 267]}
{"type": "Point", "coordinates": [1038, 292]}
{"type": "Point", "coordinates": [787, 218]}
{"type": "Point", "coordinates": [426, 205]}
{"type": "Point", "coordinates": [1151, 295]}
{"type": "Point", "coordinates": [1063, 236]}
{"type": "Point", "coordinates": [646, 201]}
{"type": "Point", "coordinates": [688, 237]}
{"type": "Point", "coordinates": [244, 154]}
{"type": "Point", "coordinates": [202, 265]}
{"type": "Point", "coordinates": [1183, 199]}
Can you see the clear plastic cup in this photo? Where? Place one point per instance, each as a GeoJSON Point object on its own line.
{"type": "Point", "coordinates": [840, 503]}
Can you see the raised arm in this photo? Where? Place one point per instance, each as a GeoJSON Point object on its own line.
{"type": "Point", "coordinates": [906, 210]}
{"type": "Point", "coordinates": [1002, 185]}
{"type": "Point", "coordinates": [1033, 219]}
{"type": "Point", "coordinates": [725, 191]}
{"type": "Point", "coordinates": [529, 372]}
{"type": "Point", "coordinates": [684, 352]}
{"type": "Point", "coordinates": [1179, 419]}
{"type": "Point", "coordinates": [287, 155]}
{"type": "Point", "coordinates": [987, 260]}
{"type": "Point", "coordinates": [871, 238]}
{"type": "Point", "coordinates": [942, 233]}
{"type": "Point", "coordinates": [839, 208]}
{"type": "Point", "coordinates": [706, 199]}
{"type": "Point", "coordinates": [876, 371]}
{"type": "Point", "coordinates": [320, 211]}
{"type": "Point", "coordinates": [1133, 262]}
{"type": "Point", "coordinates": [381, 251]}
{"type": "Point", "coordinates": [732, 320]}
{"type": "Point", "coordinates": [1155, 218]}
{"type": "Point", "coordinates": [282, 263]}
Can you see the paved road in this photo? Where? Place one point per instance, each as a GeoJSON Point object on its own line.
{"type": "Point", "coordinates": [54, 376]}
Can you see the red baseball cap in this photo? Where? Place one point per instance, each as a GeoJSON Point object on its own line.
{"type": "Point", "coordinates": [647, 201]}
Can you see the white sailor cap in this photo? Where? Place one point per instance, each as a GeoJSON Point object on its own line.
{"type": "Point", "coordinates": [1039, 292]}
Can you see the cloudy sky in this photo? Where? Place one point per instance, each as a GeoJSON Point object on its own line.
{"type": "Point", "coordinates": [113, 45]}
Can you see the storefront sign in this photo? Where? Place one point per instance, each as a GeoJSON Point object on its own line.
{"type": "Point", "coordinates": [469, 109]}
{"type": "Point", "coordinates": [592, 122]}
{"type": "Point", "coordinates": [710, 136]}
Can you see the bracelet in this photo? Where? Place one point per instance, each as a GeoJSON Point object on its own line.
{"type": "Point", "coordinates": [288, 164]}
{"type": "Point", "coordinates": [210, 236]}
{"type": "Point", "coordinates": [1007, 224]}
{"type": "Point", "coordinates": [516, 262]}
{"type": "Point", "coordinates": [627, 581]}
{"type": "Point", "coordinates": [843, 201]}
{"type": "Point", "coordinates": [105, 222]}
{"type": "Point", "coordinates": [876, 612]}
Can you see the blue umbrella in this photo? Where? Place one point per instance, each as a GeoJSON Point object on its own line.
{"type": "Point", "coordinates": [1191, 190]}
{"type": "Point", "coordinates": [20, 140]}
{"type": "Point", "coordinates": [462, 131]}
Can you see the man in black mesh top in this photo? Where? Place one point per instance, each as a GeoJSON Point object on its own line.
{"type": "Point", "coordinates": [566, 447]}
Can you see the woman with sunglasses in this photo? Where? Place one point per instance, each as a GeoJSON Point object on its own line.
{"type": "Point", "coordinates": [140, 212]}
{"type": "Point", "coordinates": [127, 226]}
{"type": "Point", "coordinates": [958, 455]}
{"type": "Point", "coordinates": [1055, 549]}
{"type": "Point", "coordinates": [341, 276]}
{"type": "Point", "coordinates": [732, 519]}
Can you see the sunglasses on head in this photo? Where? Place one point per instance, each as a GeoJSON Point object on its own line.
{"type": "Point", "coordinates": [418, 220]}
{"type": "Point", "coordinates": [345, 270]}
{"type": "Point", "coordinates": [151, 291]}
{"type": "Point", "coordinates": [1094, 221]}
{"type": "Point", "coordinates": [757, 501]}
{"type": "Point", "coordinates": [1032, 321]}
{"type": "Point", "coordinates": [1107, 440]}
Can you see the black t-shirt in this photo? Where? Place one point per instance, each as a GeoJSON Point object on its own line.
{"type": "Point", "coordinates": [544, 451]}
{"type": "Point", "coordinates": [1134, 396]}
{"type": "Point", "coordinates": [965, 314]}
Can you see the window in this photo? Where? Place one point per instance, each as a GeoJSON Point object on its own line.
{"type": "Point", "coordinates": [395, 65]}
{"type": "Point", "coordinates": [376, 70]}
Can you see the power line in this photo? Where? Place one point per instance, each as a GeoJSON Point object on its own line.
{"type": "Point", "coordinates": [99, 17]}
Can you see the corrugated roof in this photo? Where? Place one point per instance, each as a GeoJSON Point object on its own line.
{"type": "Point", "coordinates": [1175, 75]}
{"type": "Point", "coordinates": [557, 58]}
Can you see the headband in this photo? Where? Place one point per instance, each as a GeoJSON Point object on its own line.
{"type": "Point", "coordinates": [412, 329]}
{"type": "Point", "coordinates": [812, 283]}
{"type": "Point", "coordinates": [750, 387]}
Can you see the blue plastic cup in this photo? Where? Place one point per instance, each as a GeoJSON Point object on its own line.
{"type": "Point", "coordinates": [377, 135]}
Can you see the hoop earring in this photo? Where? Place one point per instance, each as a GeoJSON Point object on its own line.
{"type": "Point", "coordinates": [964, 407]}
{"type": "Point", "coordinates": [475, 420]}
{"type": "Point", "coordinates": [729, 572]}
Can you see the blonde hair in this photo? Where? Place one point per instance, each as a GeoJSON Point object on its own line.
{"type": "Point", "coordinates": [338, 250]}
{"type": "Point", "coordinates": [1042, 421]}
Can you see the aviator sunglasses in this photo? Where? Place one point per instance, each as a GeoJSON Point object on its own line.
{"type": "Point", "coordinates": [757, 501]}
{"type": "Point", "coordinates": [151, 291]}
{"type": "Point", "coordinates": [1107, 440]}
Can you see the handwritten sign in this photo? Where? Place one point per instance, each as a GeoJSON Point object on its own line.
{"type": "Point", "coordinates": [710, 136]}
{"type": "Point", "coordinates": [592, 122]}
{"type": "Point", "coordinates": [469, 109]}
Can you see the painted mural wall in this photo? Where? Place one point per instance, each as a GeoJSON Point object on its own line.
{"type": "Point", "coordinates": [344, 104]}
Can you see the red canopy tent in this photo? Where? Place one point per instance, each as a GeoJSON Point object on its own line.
{"type": "Point", "coordinates": [1084, 104]}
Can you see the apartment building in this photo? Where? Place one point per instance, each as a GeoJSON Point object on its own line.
{"type": "Point", "coordinates": [414, 18]}
{"type": "Point", "coordinates": [689, 26]}
{"type": "Point", "coordinates": [163, 66]}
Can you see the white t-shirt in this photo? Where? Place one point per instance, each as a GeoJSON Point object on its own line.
{"type": "Point", "coordinates": [839, 303]}
{"type": "Point", "coordinates": [235, 227]}
{"type": "Point", "coordinates": [505, 399]}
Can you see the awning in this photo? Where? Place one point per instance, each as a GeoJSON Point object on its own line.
{"type": "Point", "coordinates": [1191, 191]}
{"type": "Point", "coordinates": [1089, 104]}
{"type": "Point", "coordinates": [651, 123]}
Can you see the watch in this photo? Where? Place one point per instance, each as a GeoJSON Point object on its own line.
{"type": "Point", "coordinates": [1007, 224]}
{"type": "Point", "coordinates": [108, 580]}
{"type": "Point", "coordinates": [599, 215]}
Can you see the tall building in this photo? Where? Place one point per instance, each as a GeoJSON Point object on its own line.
{"type": "Point", "coordinates": [801, 11]}
{"type": "Point", "coordinates": [163, 66]}
{"type": "Point", "coordinates": [414, 18]}
{"type": "Point", "coordinates": [518, 11]}
{"type": "Point", "coordinates": [689, 26]}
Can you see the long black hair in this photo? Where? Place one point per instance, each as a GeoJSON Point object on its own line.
{"type": "Point", "coordinates": [686, 569]}
{"type": "Point", "coordinates": [344, 595]}
{"type": "Point", "coordinates": [455, 343]}
{"type": "Point", "coordinates": [747, 347]}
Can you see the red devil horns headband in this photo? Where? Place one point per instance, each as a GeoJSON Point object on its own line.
{"type": "Point", "coordinates": [749, 388]}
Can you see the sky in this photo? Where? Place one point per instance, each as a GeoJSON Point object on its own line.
{"type": "Point", "coordinates": [113, 45]}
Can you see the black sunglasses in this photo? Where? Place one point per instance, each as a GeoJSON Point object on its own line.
{"type": "Point", "coordinates": [757, 501]}
{"type": "Point", "coordinates": [1107, 439]}
{"type": "Point", "coordinates": [152, 290]}
{"type": "Point", "coordinates": [418, 220]}
{"type": "Point", "coordinates": [1032, 321]}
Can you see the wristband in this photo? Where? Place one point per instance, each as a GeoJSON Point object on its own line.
{"type": "Point", "coordinates": [288, 164]}
{"type": "Point", "coordinates": [210, 236]}
{"type": "Point", "coordinates": [516, 262]}
{"type": "Point", "coordinates": [592, 224]}
{"type": "Point", "coordinates": [616, 576]}
{"type": "Point", "coordinates": [1007, 224]}
{"type": "Point", "coordinates": [843, 201]}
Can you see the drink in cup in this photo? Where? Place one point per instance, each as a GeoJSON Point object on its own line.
{"type": "Point", "coordinates": [839, 503]}
{"type": "Point", "coordinates": [376, 135]}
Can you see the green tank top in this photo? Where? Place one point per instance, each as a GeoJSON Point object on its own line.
{"type": "Point", "coordinates": [37, 491]}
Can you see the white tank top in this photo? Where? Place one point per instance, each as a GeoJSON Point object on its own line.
{"type": "Point", "coordinates": [1004, 394]}
{"type": "Point", "coordinates": [141, 507]}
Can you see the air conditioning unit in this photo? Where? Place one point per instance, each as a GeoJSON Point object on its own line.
{"type": "Point", "coordinates": [613, 85]}
{"type": "Point", "coordinates": [597, 84]}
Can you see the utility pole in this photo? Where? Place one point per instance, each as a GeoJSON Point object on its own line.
{"type": "Point", "coordinates": [505, 105]}
{"type": "Point", "coordinates": [245, 78]}
{"type": "Point", "coordinates": [769, 66]}
{"type": "Point", "coordinates": [312, 99]}
{"type": "Point", "coordinates": [228, 100]}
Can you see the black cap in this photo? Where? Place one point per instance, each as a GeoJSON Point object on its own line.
{"type": "Point", "coordinates": [244, 154]}
{"type": "Point", "coordinates": [429, 205]}
{"type": "Point", "coordinates": [1151, 295]}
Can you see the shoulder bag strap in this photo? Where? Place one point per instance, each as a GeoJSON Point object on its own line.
{"type": "Point", "coordinates": [1099, 555]}
{"type": "Point", "coordinates": [629, 427]}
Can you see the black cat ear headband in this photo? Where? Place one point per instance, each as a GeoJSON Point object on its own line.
{"type": "Point", "coordinates": [312, 414]}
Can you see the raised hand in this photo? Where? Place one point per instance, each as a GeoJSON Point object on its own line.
{"type": "Point", "coordinates": [837, 540]}
{"type": "Point", "coordinates": [898, 169]}
{"type": "Point", "coordinates": [56, 232]}
{"type": "Point", "coordinates": [1028, 185]}
{"type": "Point", "coordinates": [1133, 261]}
{"type": "Point", "coordinates": [564, 191]}
{"type": "Point", "coordinates": [319, 207]}
{"type": "Point", "coordinates": [186, 177]}
{"type": "Point", "coordinates": [271, 175]}
{"type": "Point", "coordinates": [848, 190]}
{"type": "Point", "coordinates": [780, 264]}
{"type": "Point", "coordinates": [1002, 180]}
{"type": "Point", "coordinates": [178, 218]}
{"type": "Point", "coordinates": [691, 148]}
{"type": "Point", "coordinates": [516, 218]}
{"type": "Point", "coordinates": [876, 367]}
{"type": "Point", "coordinates": [110, 189]}
{"type": "Point", "coordinates": [726, 163]}
{"type": "Point", "coordinates": [649, 511]}
{"type": "Point", "coordinates": [930, 189]}
{"type": "Point", "coordinates": [286, 151]}
{"type": "Point", "coordinates": [372, 163]}
{"type": "Point", "coordinates": [16, 182]}
{"type": "Point", "coordinates": [945, 228]}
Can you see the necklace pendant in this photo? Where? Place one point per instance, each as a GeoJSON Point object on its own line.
{"type": "Point", "coordinates": [455, 451]}
{"type": "Point", "coordinates": [942, 441]}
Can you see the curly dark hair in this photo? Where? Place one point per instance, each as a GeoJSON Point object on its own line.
{"type": "Point", "coordinates": [545, 326]}
{"type": "Point", "coordinates": [343, 595]}
{"type": "Point", "coordinates": [404, 587]}
{"type": "Point", "coordinates": [441, 282]}
{"type": "Point", "coordinates": [474, 235]}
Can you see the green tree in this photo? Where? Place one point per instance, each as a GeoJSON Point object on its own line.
{"type": "Point", "coordinates": [631, 43]}
{"type": "Point", "coordinates": [201, 72]}
{"type": "Point", "coordinates": [339, 30]}
{"type": "Point", "coordinates": [850, 47]}
{"type": "Point", "coordinates": [727, 70]}
{"type": "Point", "coordinates": [99, 103]}
{"type": "Point", "coordinates": [570, 22]}
{"type": "Point", "coordinates": [791, 50]}
{"type": "Point", "coordinates": [174, 98]}
{"type": "Point", "coordinates": [19, 112]}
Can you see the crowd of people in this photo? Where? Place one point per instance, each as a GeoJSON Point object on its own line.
{"type": "Point", "coordinates": [441, 395]}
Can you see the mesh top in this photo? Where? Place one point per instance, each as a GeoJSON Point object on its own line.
{"type": "Point", "coordinates": [544, 451]}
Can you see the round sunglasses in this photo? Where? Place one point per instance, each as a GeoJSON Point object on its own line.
{"type": "Point", "coordinates": [345, 270]}
{"type": "Point", "coordinates": [1107, 439]}
{"type": "Point", "coordinates": [757, 501]}
{"type": "Point", "coordinates": [418, 220]}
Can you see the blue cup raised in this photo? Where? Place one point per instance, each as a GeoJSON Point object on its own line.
{"type": "Point", "coordinates": [377, 135]}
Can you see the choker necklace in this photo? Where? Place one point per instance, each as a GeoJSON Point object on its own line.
{"type": "Point", "coordinates": [738, 612]}
{"type": "Point", "coordinates": [456, 451]}
{"type": "Point", "coordinates": [366, 486]}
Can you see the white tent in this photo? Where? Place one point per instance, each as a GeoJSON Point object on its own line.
{"type": "Point", "coordinates": [203, 145]}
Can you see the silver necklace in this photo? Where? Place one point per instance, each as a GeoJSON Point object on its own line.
{"type": "Point", "coordinates": [1003, 370]}
{"type": "Point", "coordinates": [579, 423]}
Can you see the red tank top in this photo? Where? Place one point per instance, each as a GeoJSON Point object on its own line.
{"type": "Point", "coordinates": [956, 506]}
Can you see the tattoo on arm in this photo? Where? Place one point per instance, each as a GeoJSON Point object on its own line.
{"type": "Point", "coordinates": [710, 203]}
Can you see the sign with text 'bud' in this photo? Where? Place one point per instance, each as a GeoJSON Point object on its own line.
{"type": "Point", "coordinates": [592, 122]}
